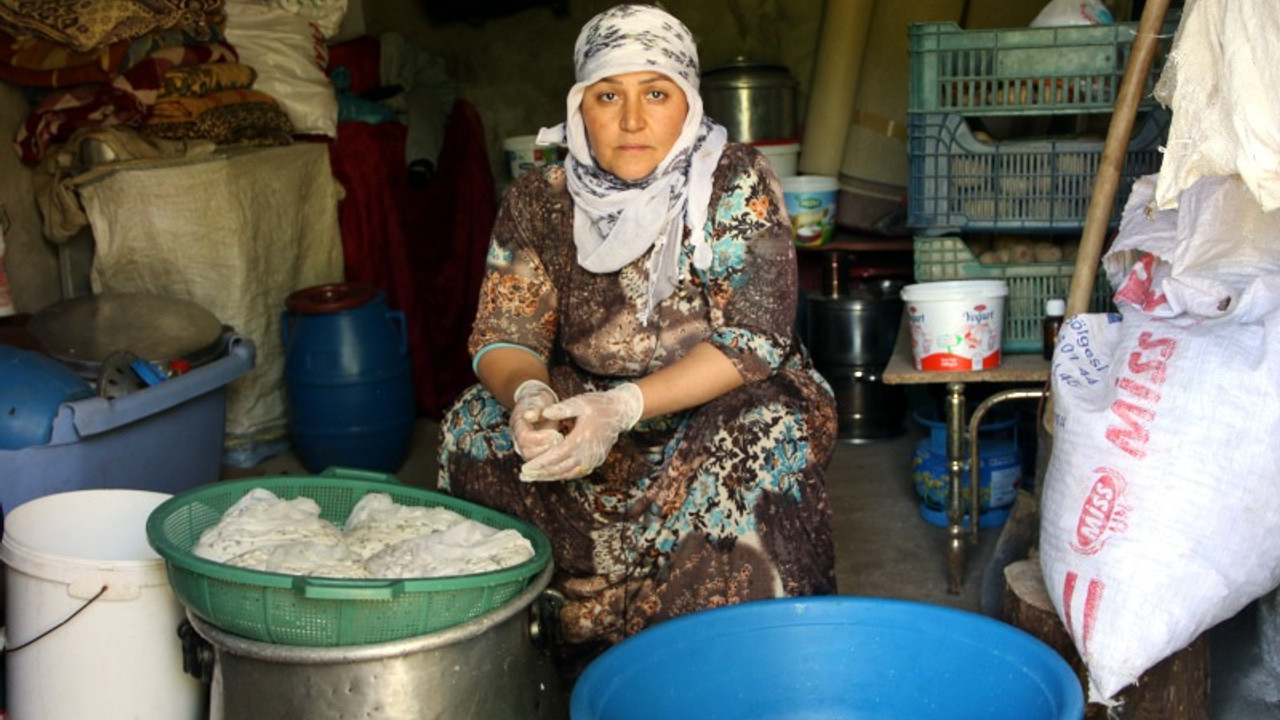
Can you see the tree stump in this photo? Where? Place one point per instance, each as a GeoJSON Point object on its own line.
{"type": "Point", "coordinates": [1175, 689]}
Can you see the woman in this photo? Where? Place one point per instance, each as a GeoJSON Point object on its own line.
{"type": "Point", "coordinates": [642, 396]}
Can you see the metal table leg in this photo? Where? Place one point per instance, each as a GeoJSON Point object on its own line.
{"type": "Point", "coordinates": [958, 429]}
{"type": "Point", "coordinates": [975, 422]}
{"type": "Point", "coordinates": [955, 494]}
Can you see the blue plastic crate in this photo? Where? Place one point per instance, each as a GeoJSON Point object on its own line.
{"type": "Point", "coordinates": [958, 182]}
{"type": "Point", "coordinates": [164, 438]}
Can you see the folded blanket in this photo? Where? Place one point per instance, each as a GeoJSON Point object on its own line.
{"type": "Point", "coordinates": [197, 80]}
{"type": "Point", "coordinates": [90, 26]}
{"type": "Point", "coordinates": [122, 101]}
{"type": "Point", "coordinates": [50, 63]}
{"type": "Point", "coordinates": [227, 117]}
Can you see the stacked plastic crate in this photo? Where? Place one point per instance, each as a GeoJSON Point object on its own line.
{"type": "Point", "coordinates": [964, 184]}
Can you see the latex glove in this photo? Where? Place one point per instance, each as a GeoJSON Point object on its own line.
{"type": "Point", "coordinates": [531, 433]}
{"type": "Point", "coordinates": [598, 419]}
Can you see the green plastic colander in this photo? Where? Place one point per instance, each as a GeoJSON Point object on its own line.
{"type": "Point", "coordinates": [326, 612]}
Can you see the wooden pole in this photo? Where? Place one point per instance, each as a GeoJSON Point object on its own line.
{"type": "Point", "coordinates": [1118, 134]}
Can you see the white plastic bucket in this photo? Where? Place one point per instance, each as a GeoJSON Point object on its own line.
{"type": "Point", "coordinates": [811, 205]}
{"type": "Point", "coordinates": [121, 655]}
{"type": "Point", "coordinates": [956, 324]}
{"type": "Point", "coordinates": [524, 153]}
{"type": "Point", "coordinates": [783, 156]}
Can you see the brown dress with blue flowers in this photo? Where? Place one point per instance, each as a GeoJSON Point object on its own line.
{"type": "Point", "coordinates": [715, 505]}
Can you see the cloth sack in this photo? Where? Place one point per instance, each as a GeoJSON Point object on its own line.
{"type": "Point", "coordinates": [289, 55]}
{"type": "Point", "coordinates": [1220, 80]}
{"type": "Point", "coordinates": [1159, 509]}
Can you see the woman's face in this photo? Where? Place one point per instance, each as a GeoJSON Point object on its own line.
{"type": "Point", "coordinates": [632, 121]}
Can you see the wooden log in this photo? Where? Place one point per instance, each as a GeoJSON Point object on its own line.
{"type": "Point", "coordinates": [1175, 689]}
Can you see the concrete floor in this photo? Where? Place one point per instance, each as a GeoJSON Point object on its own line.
{"type": "Point", "coordinates": [885, 549]}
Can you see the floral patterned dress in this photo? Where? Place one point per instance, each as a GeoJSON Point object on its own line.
{"type": "Point", "coordinates": [711, 506]}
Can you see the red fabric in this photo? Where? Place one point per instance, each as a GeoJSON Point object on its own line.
{"type": "Point", "coordinates": [424, 247]}
{"type": "Point", "coordinates": [452, 225]}
{"type": "Point", "coordinates": [360, 56]}
{"type": "Point", "coordinates": [368, 161]}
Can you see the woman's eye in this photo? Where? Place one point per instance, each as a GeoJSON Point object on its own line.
{"type": "Point", "coordinates": [657, 95]}
{"type": "Point", "coordinates": [607, 97]}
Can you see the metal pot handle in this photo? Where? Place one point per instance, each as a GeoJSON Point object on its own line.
{"type": "Point", "coordinates": [545, 628]}
{"type": "Point", "coordinates": [197, 653]}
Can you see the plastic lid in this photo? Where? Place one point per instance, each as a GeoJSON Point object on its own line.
{"type": "Point", "coordinates": [1055, 307]}
{"type": "Point", "coordinates": [330, 298]}
{"type": "Point", "coordinates": [955, 290]}
{"type": "Point", "coordinates": [810, 183]}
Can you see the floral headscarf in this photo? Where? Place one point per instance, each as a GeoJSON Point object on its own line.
{"type": "Point", "coordinates": [616, 221]}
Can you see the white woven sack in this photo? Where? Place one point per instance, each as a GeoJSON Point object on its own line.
{"type": "Point", "coordinates": [1160, 510]}
{"type": "Point", "coordinates": [290, 57]}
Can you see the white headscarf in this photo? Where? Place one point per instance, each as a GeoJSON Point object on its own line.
{"type": "Point", "coordinates": [616, 221]}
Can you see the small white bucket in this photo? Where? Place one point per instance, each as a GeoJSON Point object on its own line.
{"type": "Point", "coordinates": [524, 153]}
{"type": "Point", "coordinates": [956, 324]}
{"type": "Point", "coordinates": [120, 655]}
{"type": "Point", "coordinates": [783, 156]}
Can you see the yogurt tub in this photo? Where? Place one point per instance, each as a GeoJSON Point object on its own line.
{"type": "Point", "coordinates": [523, 153]}
{"type": "Point", "coordinates": [956, 324]}
{"type": "Point", "coordinates": [811, 205]}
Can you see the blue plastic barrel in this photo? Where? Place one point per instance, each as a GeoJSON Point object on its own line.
{"type": "Point", "coordinates": [829, 658]}
{"type": "Point", "coordinates": [348, 377]}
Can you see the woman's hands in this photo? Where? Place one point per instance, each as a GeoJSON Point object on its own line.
{"type": "Point", "coordinates": [598, 419]}
{"type": "Point", "coordinates": [531, 433]}
{"type": "Point", "coordinates": [519, 380]}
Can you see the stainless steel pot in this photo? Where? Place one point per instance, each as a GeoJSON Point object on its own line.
{"type": "Point", "coordinates": [754, 101]}
{"type": "Point", "coordinates": [487, 669]}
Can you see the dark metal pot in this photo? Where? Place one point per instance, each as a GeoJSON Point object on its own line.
{"type": "Point", "coordinates": [753, 101]}
{"type": "Point", "coordinates": [858, 327]}
{"type": "Point", "coordinates": [868, 409]}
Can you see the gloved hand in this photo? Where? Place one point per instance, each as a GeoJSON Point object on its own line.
{"type": "Point", "coordinates": [531, 433]}
{"type": "Point", "coordinates": [599, 417]}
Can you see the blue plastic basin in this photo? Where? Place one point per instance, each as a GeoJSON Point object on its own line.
{"type": "Point", "coordinates": [830, 658]}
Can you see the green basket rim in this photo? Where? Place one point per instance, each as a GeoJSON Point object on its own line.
{"type": "Point", "coordinates": [183, 558]}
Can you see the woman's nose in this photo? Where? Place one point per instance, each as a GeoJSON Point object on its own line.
{"type": "Point", "coordinates": [632, 116]}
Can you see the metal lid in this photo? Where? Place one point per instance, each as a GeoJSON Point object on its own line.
{"type": "Point", "coordinates": [744, 73]}
{"type": "Point", "coordinates": [84, 332]}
